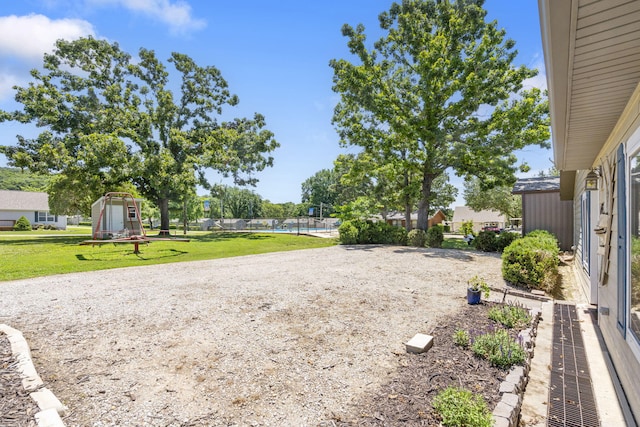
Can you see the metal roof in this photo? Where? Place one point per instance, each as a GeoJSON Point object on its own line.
{"type": "Point", "coordinates": [537, 184]}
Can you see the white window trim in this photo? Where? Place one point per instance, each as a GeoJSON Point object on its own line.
{"type": "Point", "coordinates": [632, 149]}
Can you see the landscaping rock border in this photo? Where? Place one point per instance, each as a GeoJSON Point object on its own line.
{"type": "Point", "coordinates": [507, 411]}
{"type": "Point", "coordinates": [51, 409]}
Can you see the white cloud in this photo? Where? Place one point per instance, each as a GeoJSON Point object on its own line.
{"type": "Point", "coordinates": [29, 37]}
{"type": "Point", "coordinates": [25, 39]}
{"type": "Point", "coordinates": [539, 81]}
{"type": "Point", "coordinates": [175, 14]}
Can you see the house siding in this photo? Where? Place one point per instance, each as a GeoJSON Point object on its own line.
{"type": "Point", "coordinates": [545, 211]}
{"type": "Point", "coordinates": [622, 349]}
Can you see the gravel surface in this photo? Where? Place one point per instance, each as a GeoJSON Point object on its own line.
{"type": "Point", "coordinates": [294, 338]}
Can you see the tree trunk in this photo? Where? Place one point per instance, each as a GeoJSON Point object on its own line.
{"type": "Point", "coordinates": [424, 205]}
{"type": "Point", "coordinates": [185, 220]}
{"type": "Point", "coordinates": [163, 205]}
{"type": "Point", "coordinates": [407, 204]}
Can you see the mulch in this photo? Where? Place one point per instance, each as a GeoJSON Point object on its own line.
{"type": "Point", "coordinates": [406, 399]}
{"type": "Point", "coordinates": [17, 409]}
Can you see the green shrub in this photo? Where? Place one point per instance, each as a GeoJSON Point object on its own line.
{"type": "Point", "coordinates": [486, 241]}
{"type": "Point", "coordinates": [446, 228]}
{"type": "Point", "coordinates": [434, 237]}
{"type": "Point", "coordinates": [505, 239]}
{"type": "Point", "coordinates": [499, 349]}
{"type": "Point", "coordinates": [510, 315]}
{"type": "Point", "coordinates": [22, 224]}
{"type": "Point", "coordinates": [461, 408]}
{"type": "Point", "coordinates": [348, 233]}
{"type": "Point", "coordinates": [417, 238]}
{"type": "Point", "coordinates": [532, 261]}
{"type": "Point", "coordinates": [467, 228]}
{"type": "Point", "coordinates": [363, 232]}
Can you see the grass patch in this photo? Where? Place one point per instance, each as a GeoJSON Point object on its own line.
{"type": "Point", "coordinates": [57, 253]}
{"type": "Point", "coordinates": [456, 243]}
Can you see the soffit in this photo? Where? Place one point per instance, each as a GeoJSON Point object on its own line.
{"type": "Point", "coordinates": [592, 58]}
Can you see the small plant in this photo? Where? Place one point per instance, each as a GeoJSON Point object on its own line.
{"type": "Point", "coordinates": [510, 315]}
{"type": "Point", "coordinates": [499, 349]}
{"type": "Point", "coordinates": [461, 338]}
{"type": "Point", "coordinates": [467, 228]}
{"type": "Point", "coordinates": [460, 407]}
{"type": "Point", "coordinates": [477, 283]}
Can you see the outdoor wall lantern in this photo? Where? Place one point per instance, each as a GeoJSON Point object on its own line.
{"type": "Point", "coordinates": [591, 181]}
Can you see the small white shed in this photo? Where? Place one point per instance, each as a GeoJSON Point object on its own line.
{"type": "Point", "coordinates": [116, 215]}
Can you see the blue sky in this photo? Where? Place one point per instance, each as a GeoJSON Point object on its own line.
{"type": "Point", "coordinates": [274, 55]}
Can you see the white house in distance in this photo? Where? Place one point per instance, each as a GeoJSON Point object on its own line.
{"type": "Point", "coordinates": [592, 60]}
{"type": "Point", "coordinates": [31, 205]}
{"type": "Point", "coordinates": [484, 218]}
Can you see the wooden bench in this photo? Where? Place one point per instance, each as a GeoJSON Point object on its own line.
{"type": "Point", "coordinates": [7, 224]}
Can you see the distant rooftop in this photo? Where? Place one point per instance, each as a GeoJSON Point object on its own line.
{"type": "Point", "coordinates": [543, 183]}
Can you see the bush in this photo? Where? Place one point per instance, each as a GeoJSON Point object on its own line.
{"type": "Point", "coordinates": [417, 238]}
{"type": "Point", "coordinates": [362, 232]}
{"type": "Point", "coordinates": [505, 239]}
{"type": "Point", "coordinates": [486, 241]}
{"type": "Point", "coordinates": [532, 261]}
{"type": "Point", "coordinates": [434, 237]}
{"type": "Point", "coordinates": [22, 224]}
{"type": "Point", "coordinates": [460, 407]}
{"type": "Point", "coordinates": [348, 233]}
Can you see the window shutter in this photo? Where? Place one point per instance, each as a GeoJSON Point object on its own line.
{"type": "Point", "coordinates": [622, 241]}
{"type": "Point", "coordinates": [36, 217]}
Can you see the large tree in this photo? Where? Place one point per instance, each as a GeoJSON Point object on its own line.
{"type": "Point", "coordinates": [498, 198]}
{"type": "Point", "coordinates": [109, 119]}
{"type": "Point", "coordinates": [437, 92]}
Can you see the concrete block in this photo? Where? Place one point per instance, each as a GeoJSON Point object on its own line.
{"type": "Point", "coordinates": [500, 422]}
{"type": "Point", "coordinates": [508, 387]}
{"type": "Point", "coordinates": [513, 400]}
{"type": "Point", "coordinates": [419, 343]}
{"type": "Point", "coordinates": [503, 410]}
{"type": "Point", "coordinates": [49, 418]}
{"type": "Point", "coordinates": [45, 399]}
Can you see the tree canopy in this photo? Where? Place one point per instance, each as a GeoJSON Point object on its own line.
{"type": "Point", "coordinates": [110, 120]}
{"type": "Point", "coordinates": [437, 92]}
{"type": "Point", "coordinates": [499, 198]}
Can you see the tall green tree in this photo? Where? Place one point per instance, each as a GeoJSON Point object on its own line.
{"type": "Point", "coordinates": [109, 120]}
{"type": "Point", "coordinates": [322, 189]}
{"type": "Point", "coordinates": [437, 92]}
{"type": "Point", "coordinates": [498, 198]}
{"type": "Point", "coordinates": [239, 202]}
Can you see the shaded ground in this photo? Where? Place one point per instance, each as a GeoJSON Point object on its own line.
{"type": "Point", "coordinates": [16, 407]}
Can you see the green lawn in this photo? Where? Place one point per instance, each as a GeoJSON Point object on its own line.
{"type": "Point", "coordinates": [42, 254]}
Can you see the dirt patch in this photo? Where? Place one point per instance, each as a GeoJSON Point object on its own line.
{"type": "Point", "coordinates": [296, 338]}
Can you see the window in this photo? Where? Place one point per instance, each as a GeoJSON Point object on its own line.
{"type": "Point", "coordinates": [132, 212]}
{"type": "Point", "coordinates": [585, 228]}
{"type": "Point", "coordinates": [634, 244]}
{"type": "Point", "coordinates": [45, 217]}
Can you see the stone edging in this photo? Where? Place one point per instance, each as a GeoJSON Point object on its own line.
{"type": "Point", "coordinates": [50, 407]}
{"type": "Point", "coordinates": [507, 411]}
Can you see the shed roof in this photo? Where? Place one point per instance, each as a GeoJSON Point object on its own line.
{"type": "Point", "coordinates": [11, 200]}
{"type": "Point", "coordinates": [537, 184]}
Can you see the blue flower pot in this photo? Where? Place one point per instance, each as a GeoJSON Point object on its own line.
{"type": "Point", "coordinates": [473, 297]}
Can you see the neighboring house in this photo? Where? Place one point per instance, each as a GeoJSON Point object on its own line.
{"type": "Point", "coordinates": [592, 58]}
{"type": "Point", "coordinates": [484, 218]}
{"type": "Point", "coordinates": [33, 206]}
{"type": "Point", "coordinates": [398, 219]}
{"type": "Point", "coordinates": [542, 208]}
{"type": "Point", "coordinates": [116, 215]}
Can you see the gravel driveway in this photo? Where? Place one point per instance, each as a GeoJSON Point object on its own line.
{"type": "Point", "coordinates": [279, 339]}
